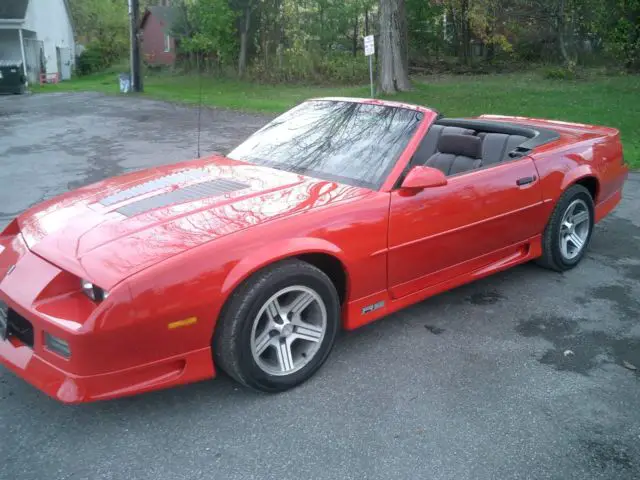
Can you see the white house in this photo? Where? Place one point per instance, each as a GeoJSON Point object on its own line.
{"type": "Point", "coordinates": [38, 33]}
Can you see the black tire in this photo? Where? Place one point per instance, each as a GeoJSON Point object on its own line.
{"type": "Point", "coordinates": [232, 338]}
{"type": "Point", "coordinates": [552, 257]}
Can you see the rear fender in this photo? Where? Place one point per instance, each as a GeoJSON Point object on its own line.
{"type": "Point", "coordinates": [576, 174]}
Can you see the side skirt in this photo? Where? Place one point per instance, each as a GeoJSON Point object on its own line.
{"type": "Point", "coordinates": [366, 310]}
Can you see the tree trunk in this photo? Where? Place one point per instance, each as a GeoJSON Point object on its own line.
{"type": "Point", "coordinates": [394, 57]}
{"type": "Point", "coordinates": [455, 33]}
{"type": "Point", "coordinates": [242, 61]}
{"type": "Point", "coordinates": [355, 36]}
{"type": "Point", "coordinates": [244, 33]}
{"type": "Point", "coordinates": [321, 28]}
{"type": "Point", "coordinates": [280, 47]}
{"type": "Point", "coordinates": [562, 42]}
{"type": "Point", "coordinates": [491, 52]}
{"type": "Point", "coordinates": [366, 22]}
{"type": "Point", "coordinates": [466, 33]}
{"type": "Point", "coordinates": [563, 47]}
{"type": "Point", "coordinates": [404, 38]}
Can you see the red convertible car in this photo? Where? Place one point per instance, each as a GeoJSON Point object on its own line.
{"type": "Point", "coordinates": [333, 215]}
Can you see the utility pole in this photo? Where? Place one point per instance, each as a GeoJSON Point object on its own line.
{"type": "Point", "coordinates": [136, 77]}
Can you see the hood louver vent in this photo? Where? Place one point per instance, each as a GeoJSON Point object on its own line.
{"type": "Point", "coordinates": [190, 193]}
{"type": "Point", "coordinates": [157, 184]}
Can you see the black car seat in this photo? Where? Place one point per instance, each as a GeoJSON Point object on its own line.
{"type": "Point", "coordinates": [429, 143]}
{"type": "Point", "coordinates": [496, 146]}
{"type": "Point", "coordinates": [457, 154]}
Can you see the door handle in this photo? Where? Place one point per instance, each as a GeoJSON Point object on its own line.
{"type": "Point", "coordinates": [525, 180]}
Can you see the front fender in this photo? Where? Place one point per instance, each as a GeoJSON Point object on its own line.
{"type": "Point", "coordinates": [273, 252]}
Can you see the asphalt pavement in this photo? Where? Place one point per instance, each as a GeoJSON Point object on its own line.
{"type": "Point", "coordinates": [523, 375]}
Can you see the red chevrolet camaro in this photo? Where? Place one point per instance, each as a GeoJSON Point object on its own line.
{"type": "Point", "coordinates": [333, 215]}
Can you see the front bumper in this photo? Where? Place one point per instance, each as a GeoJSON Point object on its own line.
{"type": "Point", "coordinates": [69, 388]}
{"type": "Point", "coordinates": [104, 364]}
{"type": "Point", "coordinates": [43, 369]}
{"type": "Point", "coordinates": [20, 359]}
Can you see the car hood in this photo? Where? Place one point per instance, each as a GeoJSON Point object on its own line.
{"type": "Point", "coordinates": [110, 230]}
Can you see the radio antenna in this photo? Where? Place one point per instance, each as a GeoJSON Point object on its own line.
{"type": "Point", "coordinates": [199, 103]}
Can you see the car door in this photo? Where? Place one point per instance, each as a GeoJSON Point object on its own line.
{"type": "Point", "coordinates": [480, 217]}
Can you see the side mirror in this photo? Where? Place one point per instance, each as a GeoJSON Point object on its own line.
{"type": "Point", "coordinates": [420, 177]}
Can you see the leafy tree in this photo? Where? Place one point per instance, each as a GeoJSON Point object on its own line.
{"type": "Point", "coordinates": [620, 24]}
{"type": "Point", "coordinates": [206, 29]}
{"type": "Point", "coordinates": [244, 11]}
{"type": "Point", "coordinates": [104, 26]}
{"type": "Point", "coordinates": [319, 40]}
{"type": "Point", "coordinates": [426, 28]}
{"type": "Point", "coordinates": [487, 23]}
{"type": "Point", "coordinates": [105, 21]}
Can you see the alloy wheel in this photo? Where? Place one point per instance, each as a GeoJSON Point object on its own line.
{"type": "Point", "coordinates": [288, 330]}
{"type": "Point", "coordinates": [574, 229]}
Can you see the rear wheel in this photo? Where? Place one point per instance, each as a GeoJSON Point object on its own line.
{"type": "Point", "coordinates": [568, 232]}
{"type": "Point", "coordinates": [278, 327]}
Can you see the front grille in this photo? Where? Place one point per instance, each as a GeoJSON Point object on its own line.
{"type": "Point", "coordinates": [20, 328]}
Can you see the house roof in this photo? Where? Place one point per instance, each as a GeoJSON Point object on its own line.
{"type": "Point", "coordinates": [13, 9]}
{"type": "Point", "coordinates": [167, 15]}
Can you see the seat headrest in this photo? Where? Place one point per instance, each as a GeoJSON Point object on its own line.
{"type": "Point", "coordinates": [465, 145]}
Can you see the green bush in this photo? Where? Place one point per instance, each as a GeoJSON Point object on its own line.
{"type": "Point", "coordinates": [89, 61]}
{"type": "Point", "coordinates": [303, 66]}
{"type": "Point", "coordinates": [561, 73]}
{"type": "Point", "coordinates": [98, 56]}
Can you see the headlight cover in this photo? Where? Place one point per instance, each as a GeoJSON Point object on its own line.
{"type": "Point", "coordinates": [92, 291]}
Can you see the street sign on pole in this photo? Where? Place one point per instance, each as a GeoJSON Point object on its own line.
{"type": "Point", "coordinates": [369, 46]}
{"type": "Point", "coordinates": [369, 51]}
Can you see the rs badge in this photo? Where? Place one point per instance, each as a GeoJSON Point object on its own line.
{"type": "Point", "coordinates": [371, 308]}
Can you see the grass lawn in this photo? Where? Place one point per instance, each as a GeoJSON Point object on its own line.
{"type": "Point", "coordinates": [611, 101]}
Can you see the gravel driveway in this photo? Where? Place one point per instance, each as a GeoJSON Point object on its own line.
{"type": "Point", "coordinates": [477, 383]}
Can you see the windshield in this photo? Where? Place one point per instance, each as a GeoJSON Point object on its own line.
{"type": "Point", "coordinates": [347, 142]}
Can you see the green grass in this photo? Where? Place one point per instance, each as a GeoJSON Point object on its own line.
{"type": "Point", "coordinates": [215, 92]}
{"type": "Point", "coordinates": [601, 100]}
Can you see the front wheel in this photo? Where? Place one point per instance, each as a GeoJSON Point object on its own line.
{"type": "Point", "coordinates": [569, 230]}
{"type": "Point", "coordinates": [278, 327]}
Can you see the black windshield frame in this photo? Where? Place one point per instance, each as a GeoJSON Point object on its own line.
{"type": "Point", "coordinates": [380, 133]}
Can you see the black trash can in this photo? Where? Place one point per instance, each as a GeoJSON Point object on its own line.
{"type": "Point", "coordinates": [12, 79]}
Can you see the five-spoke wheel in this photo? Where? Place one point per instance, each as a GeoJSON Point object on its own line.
{"type": "Point", "coordinates": [574, 229]}
{"type": "Point", "coordinates": [278, 327]}
{"type": "Point", "coordinates": [288, 330]}
{"type": "Point", "coordinates": [568, 231]}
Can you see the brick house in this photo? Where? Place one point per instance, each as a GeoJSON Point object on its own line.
{"type": "Point", "coordinates": [158, 44]}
